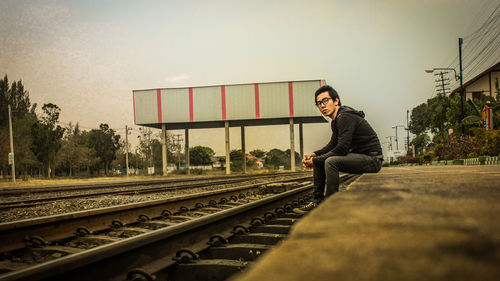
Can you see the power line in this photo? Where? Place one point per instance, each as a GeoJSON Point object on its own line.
{"type": "Point", "coordinates": [490, 47]}
{"type": "Point", "coordinates": [484, 37]}
{"type": "Point", "coordinates": [469, 42]}
{"type": "Point", "coordinates": [483, 25]}
{"type": "Point", "coordinates": [484, 59]}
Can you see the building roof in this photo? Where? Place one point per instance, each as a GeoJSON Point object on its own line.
{"type": "Point", "coordinates": [477, 77]}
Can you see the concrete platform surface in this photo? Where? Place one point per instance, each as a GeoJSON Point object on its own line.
{"type": "Point", "coordinates": [407, 223]}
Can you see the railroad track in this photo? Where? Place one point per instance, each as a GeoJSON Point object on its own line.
{"type": "Point", "coordinates": [146, 239]}
{"type": "Point", "coordinates": [114, 184]}
{"type": "Point", "coordinates": [186, 184]}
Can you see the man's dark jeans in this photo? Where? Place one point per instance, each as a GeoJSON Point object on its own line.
{"type": "Point", "coordinates": [328, 172]}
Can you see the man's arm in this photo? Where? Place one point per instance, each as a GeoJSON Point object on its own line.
{"type": "Point", "coordinates": [346, 124]}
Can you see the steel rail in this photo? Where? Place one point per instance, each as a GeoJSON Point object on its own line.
{"type": "Point", "coordinates": [112, 261]}
{"type": "Point", "coordinates": [55, 227]}
{"type": "Point", "coordinates": [37, 201]}
{"type": "Point", "coordinates": [115, 184]}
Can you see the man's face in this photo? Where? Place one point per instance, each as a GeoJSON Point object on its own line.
{"type": "Point", "coordinates": [325, 104]}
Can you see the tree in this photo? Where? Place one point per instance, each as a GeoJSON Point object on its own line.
{"type": "Point", "coordinates": [47, 137]}
{"type": "Point", "coordinates": [419, 119]}
{"type": "Point", "coordinates": [258, 153]}
{"type": "Point", "coordinates": [105, 143]}
{"type": "Point", "coordinates": [236, 159]}
{"type": "Point", "coordinates": [157, 152]}
{"type": "Point", "coordinates": [421, 141]}
{"type": "Point", "coordinates": [454, 113]}
{"type": "Point", "coordinates": [438, 120]}
{"type": "Point", "coordinates": [23, 118]}
{"type": "Point", "coordinates": [73, 154]}
{"type": "Point", "coordinates": [201, 155]}
{"type": "Point", "coordinates": [145, 145]}
{"type": "Point", "coordinates": [25, 158]}
{"type": "Point", "coordinates": [275, 158]}
{"type": "Point", "coordinates": [298, 161]}
{"type": "Point", "coordinates": [17, 97]}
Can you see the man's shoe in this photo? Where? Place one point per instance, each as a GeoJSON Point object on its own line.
{"type": "Point", "coordinates": [306, 208]}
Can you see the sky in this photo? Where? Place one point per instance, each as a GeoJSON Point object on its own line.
{"type": "Point", "coordinates": [88, 56]}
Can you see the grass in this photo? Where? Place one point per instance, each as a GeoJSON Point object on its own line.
{"type": "Point", "coordinates": [65, 180]}
{"type": "Point", "coordinates": [32, 182]}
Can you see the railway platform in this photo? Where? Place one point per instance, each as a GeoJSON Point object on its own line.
{"type": "Point", "coordinates": [405, 223]}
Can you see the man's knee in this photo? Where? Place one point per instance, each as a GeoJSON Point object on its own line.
{"type": "Point", "coordinates": [333, 162]}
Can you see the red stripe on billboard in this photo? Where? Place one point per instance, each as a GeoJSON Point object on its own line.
{"type": "Point", "coordinates": [190, 104]}
{"type": "Point", "coordinates": [320, 83]}
{"type": "Point", "coordinates": [257, 103]}
{"type": "Point", "coordinates": [133, 97]}
{"type": "Point", "coordinates": [158, 99]}
{"type": "Point", "coordinates": [223, 99]}
{"type": "Point", "coordinates": [290, 98]}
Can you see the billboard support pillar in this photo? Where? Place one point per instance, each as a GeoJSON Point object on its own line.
{"type": "Point", "coordinates": [228, 168]}
{"type": "Point", "coordinates": [164, 148]}
{"type": "Point", "coordinates": [301, 140]}
{"type": "Point", "coordinates": [243, 153]}
{"type": "Point", "coordinates": [186, 148]}
{"type": "Point", "coordinates": [292, 146]}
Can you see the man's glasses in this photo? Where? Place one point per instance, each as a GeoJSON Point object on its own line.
{"type": "Point", "coordinates": [324, 101]}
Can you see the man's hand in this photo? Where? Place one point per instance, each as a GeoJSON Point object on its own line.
{"type": "Point", "coordinates": [307, 161]}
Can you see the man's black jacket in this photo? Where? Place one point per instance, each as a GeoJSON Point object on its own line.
{"type": "Point", "coordinates": [351, 133]}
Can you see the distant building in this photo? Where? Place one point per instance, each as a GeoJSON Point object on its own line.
{"type": "Point", "coordinates": [482, 84]}
{"type": "Point", "coordinates": [219, 162]}
{"type": "Point", "coordinates": [258, 161]}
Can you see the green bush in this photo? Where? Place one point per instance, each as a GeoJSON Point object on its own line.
{"type": "Point", "coordinates": [421, 160]}
{"type": "Point", "coordinates": [458, 162]}
{"type": "Point", "coordinates": [492, 142]}
{"type": "Point", "coordinates": [482, 160]}
{"type": "Point", "coordinates": [472, 155]}
{"type": "Point", "coordinates": [197, 171]}
{"type": "Point", "coordinates": [179, 172]}
{"type": "Point", "coordinates": [488, 141]}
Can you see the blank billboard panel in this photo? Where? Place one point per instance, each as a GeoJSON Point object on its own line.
{"type": "Point", "coordinates": [207, 104]}
{"type": "Point", "coordinates": [303, 98]}
{"type": "Point", "coordinates": [256, 101]}
{"type": "Point", "coordinates": [274, 100]}
{"type": "Point", "coordinates": [240, 102]}
{"type": "Point", "coordinates": [145, 107]}
{"type": "Point", "coordinates": [175, 105]}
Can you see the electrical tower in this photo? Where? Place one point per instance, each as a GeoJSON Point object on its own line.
{"type": "Point", "coordinates": [442, 83]}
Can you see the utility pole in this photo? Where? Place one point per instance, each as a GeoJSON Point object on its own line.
{"type": "Point", "coordinates": [178, 141]}
{"type": "Point", "coordinates": [127, 129]}
{"type": "Point", "coordinates": [460, 42]}
{"type": "Point", "coordinates": [396, 127]}
{"type": "Point", "coordinates": [407, 130]}
{"type": "Point", "coordinates": [11, 154]}
{"type": "Point", "coordinates": [442, 83]}
{"type": "Point", "coordinates": [390, 141]}
{"type": "Point", "coordinates": [397, 146]}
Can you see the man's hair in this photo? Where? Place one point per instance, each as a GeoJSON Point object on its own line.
{"type": "Point", "coordinates": [331, 91]}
